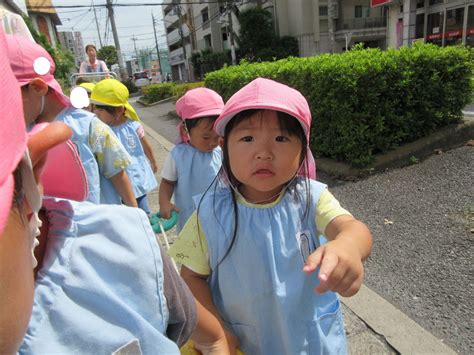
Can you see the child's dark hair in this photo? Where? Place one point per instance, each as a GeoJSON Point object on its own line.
{"type": "Point", "coordinates": [191, 123]}
{"type": "Point", "coordinates": [110, 109]}
{"type": "Point", "coordinates": [288, 124]}
{"type": "Point", "coordinates": [80, 80]}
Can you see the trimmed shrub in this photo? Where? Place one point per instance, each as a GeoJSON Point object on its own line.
{"type": "Point", "coordinates": [368, 101]}
{"type": "Point", "coordinates": [157, 92]}
{"type": "Point", "coordinates": [180, 89]}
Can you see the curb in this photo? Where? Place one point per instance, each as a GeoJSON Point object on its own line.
{"type": "Point", "coordinates": [446, 138]}
{"type": "Point", "coordinates": [400, 331]}
{"type": "Point", "coordinates": [166, 144]}
{"type": "Point", "coordinates": [141, 102]}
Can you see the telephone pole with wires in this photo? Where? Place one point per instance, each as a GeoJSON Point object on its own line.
{"type": "Point", "coordinates": [157, 47]}
{"type": "Point", "coordinates": [230, 5]}
{"type": "Point", "coordinates": [123, 70]}
{"type": "Point", "coordinates": [97, 24]}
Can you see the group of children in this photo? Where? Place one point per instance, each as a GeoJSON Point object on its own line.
{"type": "Point", "coordinates": [251, 226]}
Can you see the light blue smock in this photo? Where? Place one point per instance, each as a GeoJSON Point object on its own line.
{"type": "Point", "coordinates": [101, 283]}
{"type": "Point", "coordinates": [195, 171]}
{"type": "Point", "coordinates": [260, 288]}
{"type": "Point", "coordinates": [80, 123]}
{"type": "Point", "coordinates": [139, 170]}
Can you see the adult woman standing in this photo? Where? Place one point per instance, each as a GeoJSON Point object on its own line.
{"type": "Point", "coordinates": [92, 65]}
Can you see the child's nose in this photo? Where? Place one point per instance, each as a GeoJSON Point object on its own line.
{"type": "Point", "coordinates": [264, 153]}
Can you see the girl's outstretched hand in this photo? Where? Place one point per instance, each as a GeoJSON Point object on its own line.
{"type": "Point", "coordinates": [340, 260]}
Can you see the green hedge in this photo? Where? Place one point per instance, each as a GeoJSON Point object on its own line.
{"type": "Point", "coordinates": [157, 92]}
{"type": "Point", "coordinates": [367, 101]}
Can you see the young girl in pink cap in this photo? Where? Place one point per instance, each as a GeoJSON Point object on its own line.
{"type": "Point", "coordinates": [194, 162]}
{"type": "Point", "coordinates": [251, 251]}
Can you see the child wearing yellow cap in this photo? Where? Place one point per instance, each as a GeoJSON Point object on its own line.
{"type": "Point", "coordinates": [110, 99]}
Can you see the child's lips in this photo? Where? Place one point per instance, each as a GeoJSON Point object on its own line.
{"type": "Point", "coordinates": [264, 173]}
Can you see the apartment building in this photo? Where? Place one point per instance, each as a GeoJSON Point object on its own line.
{"type": "Point", "coordinates": [73, 41]}
{"type": "Point", "coordinates": [442, 22]}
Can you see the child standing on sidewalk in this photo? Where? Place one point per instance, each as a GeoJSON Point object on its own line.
{"type": "Point", "coordinates": [194, 162]}
{"type": "Point", "coordinates": [110, 99]}
{"type": "Point", "coordinates": [250, 250]}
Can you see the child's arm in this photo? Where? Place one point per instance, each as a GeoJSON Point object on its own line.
{"type": "Point", "coordinates": [149, 153]}
{"type": "Point", "coordinates": [124, 188]}
{"type": "Point", "coordinates": [340, 260]}
{"type": "Point", "coordinates": [208, 314]}
{"type": "Point", "coordinates": [165, 193]}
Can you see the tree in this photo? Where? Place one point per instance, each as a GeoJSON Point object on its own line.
{"type": "Point", "coordinates": [257, 40]}
{"type": "Point", "coordinates": [108, 54]}
{"type": "Point", "coordinates": [63, 58]}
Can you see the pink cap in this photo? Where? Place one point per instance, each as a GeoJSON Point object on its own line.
{"type": "Point", "coordinates": [63, 174]}
{"type": "Point", "coordinates": [268, 94]}
{"type": "Point", "coordinates": [22, 54]}
{"type": "Point", "coordinates": [199, 102]}
{"type": "Point", "coordinates": [12, 131]}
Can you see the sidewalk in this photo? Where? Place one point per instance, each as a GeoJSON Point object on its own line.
{"type": "Point", "coordinates": [373, 325]}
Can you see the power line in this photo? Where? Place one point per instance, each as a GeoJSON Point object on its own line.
{"type": "Point", "coordinates": [33, 7]}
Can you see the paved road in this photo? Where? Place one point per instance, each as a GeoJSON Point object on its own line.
{"type": "Point", "coordinates": [421, 217]}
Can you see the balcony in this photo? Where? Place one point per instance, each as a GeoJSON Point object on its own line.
{"type": "Point", "coordinates": [361, 23]}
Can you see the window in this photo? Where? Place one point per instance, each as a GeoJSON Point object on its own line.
{"type": "Point", "coordinates": [361, 11]}
{"type": "Point", "coordinates": [434, 2]}
{"type": "Point", "coordinates": [454, 25]}
{"type": "Point", "coordinates": [420, 26]}
{"type": "Point", "coordinates": [434, 29]}
{"type": "Point", "coordinates": [323, 11]}
{"type": "Point", "coordinates": [420, 4]}
{"type": "Point", "coordinates": [207, 41]}
{"type": "Point", "coordinates": [205, 15]}
{"type": "Point", "coordinates": [470, 26]}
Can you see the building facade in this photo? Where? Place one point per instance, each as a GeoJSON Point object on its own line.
{"type": "Point", "coordinates": [442, 22]}
{"type": "Point", "coordinates": [74, 43]}
{"type": "Point", "coordinates": [44, 18]}
{"type": "Point", "coordinates": [15, 6]}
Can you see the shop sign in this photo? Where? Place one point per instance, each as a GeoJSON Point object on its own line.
{"type": "Point", "coordinates": [454, 34]}
{"type": "Point", "coordinates": [374, 3]}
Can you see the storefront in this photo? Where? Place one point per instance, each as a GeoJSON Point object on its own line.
{"type": "Point", "coordinates": [441, 22]}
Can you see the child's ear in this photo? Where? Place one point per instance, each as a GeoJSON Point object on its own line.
{"type": "Point", "coordinates": [221, 142]}
{"type": "Point", "coordinates": [39, 87]}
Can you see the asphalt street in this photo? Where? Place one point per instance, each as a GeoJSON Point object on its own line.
{"type": "Point", "coordinates": [422, 220]}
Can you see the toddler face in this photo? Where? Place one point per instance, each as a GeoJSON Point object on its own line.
{"type": "Point", "coordinates": [104, 115]}
{"type": "Point", "coordinates": [262, 156]}
{"type": "Point", "coordinates": [202, 136]}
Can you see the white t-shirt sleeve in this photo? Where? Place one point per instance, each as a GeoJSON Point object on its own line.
{"type": "Point", "coordinates": [169, 169]}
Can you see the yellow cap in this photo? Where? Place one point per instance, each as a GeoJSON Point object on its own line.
{"type": "Point", "coordinates": [111, 92]}
{"type": "Point", "coordinates": [88, 86]}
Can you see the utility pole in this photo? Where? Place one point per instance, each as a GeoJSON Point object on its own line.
{"type": "Point", "coordinates": [123, 72]}
{"type": "Point", "coordinates": [157, 48]}
{"type": "Point", "coordinates": [186, 64]}
{"type": "Point", "coordinates": [332, 15]}
{"type": "Point", "coordinates": [136, 53]}
{"type": "Point", "coordinates": [97, 24]}
{"type": "Point", "coordinates": [230, 5]}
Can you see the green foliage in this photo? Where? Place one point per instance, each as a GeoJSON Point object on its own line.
{"type": "Point", "coordinates": [157, 92]}
{"type": "Point", "coordinates": [63, 58]}
{"type": "Point", "coordinates": [257, 40]}
{"type": "Point", "coordinates": [180, 89]}
{"type": "Point", "coordinates": [207, 61]}
{"type": "Point", "coordinates": [368, 101]}
{"type": "Point", "coordinates": [108, 54]}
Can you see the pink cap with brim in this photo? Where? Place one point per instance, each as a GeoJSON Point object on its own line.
{"type": "Point", "coordinates": [22, 54]}
{"type": "Point", "coordinates": [12, 132]}
{"type": "Point", "coordinates": [199, 102]}
{"type": "Point", "coordinates": [266, 94]}
{"type": "Point", "coordinates": [63, 175]}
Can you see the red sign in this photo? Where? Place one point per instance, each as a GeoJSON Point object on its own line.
{"type": "Point", "coordinates": [374, 3]}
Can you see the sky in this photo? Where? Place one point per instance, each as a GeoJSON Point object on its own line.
{"type": "Point", "coordinates": [130, 21]}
